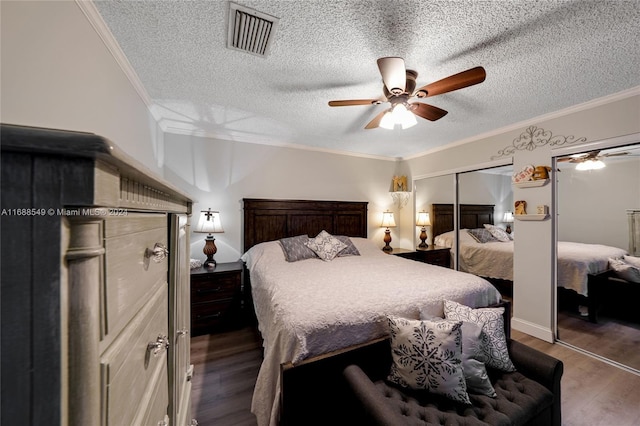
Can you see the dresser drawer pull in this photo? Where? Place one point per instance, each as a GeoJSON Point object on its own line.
{"type": "Point", "coordinates": [209, 290]}
{"type": "Point", "coordinates": [194, 422]}
{"type": "Point", "coordinates": [160, 345]}
{"type": "Point", "coordinates": [216, 315]}
{"type": "Point", "coordinates": [182, 332]}
{"type": "Point", "coordinates": [158, 253]}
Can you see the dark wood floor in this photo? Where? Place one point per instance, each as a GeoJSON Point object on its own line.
{"type": "Point", "coordinates": [594, 393]}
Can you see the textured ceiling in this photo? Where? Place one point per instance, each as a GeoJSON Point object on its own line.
{"type": "Point", "coordinates": [540, 57]}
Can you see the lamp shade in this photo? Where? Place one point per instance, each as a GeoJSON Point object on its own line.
{"type": "Point", "coordinates": [423, 219]}
{"type": "Point", "coordinates": [508, 217]}
{"type": "Point", "coordinates": [387, 220]}
{"type": "Point", "coordinates": [209, 222]}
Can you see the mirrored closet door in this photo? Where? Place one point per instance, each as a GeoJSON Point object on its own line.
{"type": "Point", "coordinates": [598, 219]}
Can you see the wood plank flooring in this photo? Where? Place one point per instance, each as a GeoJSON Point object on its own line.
{"type": "Point", "coordinates": [226, 366]}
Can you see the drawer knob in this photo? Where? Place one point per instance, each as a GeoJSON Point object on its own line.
{"type": "Point", "coordinates": [158, 253]}
{"type": "Point", "coordinates": [160, 345]}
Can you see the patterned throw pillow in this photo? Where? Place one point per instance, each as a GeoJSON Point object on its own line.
{"type": "Point", "coordinates": [494, 340]}
{"type": "Point", "coordinates": [350, 249]}
{"type": "Point", "coordinates": [498, 233]}
{"type": "Point", "coordinates": [473, 361]}
{"type": "Point", "coordinates": [481, 235]}
{"type": "Point", "coordinates": [428, 355]}
{"type": "Point", "coordinates": [294, 248]}
{"type": "Point", "coordinates": [325, 245]}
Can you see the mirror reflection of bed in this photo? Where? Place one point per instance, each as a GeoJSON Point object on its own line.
{"type": "Point", "coordinates": [597, 207]}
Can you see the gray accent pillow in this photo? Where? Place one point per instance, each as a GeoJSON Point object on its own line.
{"type": "Point", "coordinates": [473, 358]}
{"type": "Point", "coordinates": [294, 248]}
{"type": "Point", "coordinates": [494, 340]}
{"type": "Point", "coordinates": [350, 249]}
{"type": "Point", "coordinates": [481, 235]}
{"type": "Point", "coordinates": [428, 355]}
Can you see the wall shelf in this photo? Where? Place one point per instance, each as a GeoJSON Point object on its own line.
{"type": "Point", "coordinates": [531, 183]}
{"type": "Point", "coordinates": [530, 216]}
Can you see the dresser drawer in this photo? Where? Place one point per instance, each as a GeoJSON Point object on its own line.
{"type": "Point", "coordinates": [224, 286]}
{"type": "Point", "coordinates": [131, 273]}
{"type": "Point", "coordinates": [130, 370]}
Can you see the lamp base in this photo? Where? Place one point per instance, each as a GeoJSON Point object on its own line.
{"type": "Point", "coordinates": [423, 238]}
{"type": "Point", "coordinates": [508, 230]}
{"type": "Point", "coordinates": [387, 239]}
{"type": "Point", "coordinates": [210, 249]}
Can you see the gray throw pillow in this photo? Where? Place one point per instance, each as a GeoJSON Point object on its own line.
{"type": "Point", "coordinates": [350, 249]}
{"type": "Point", "coordinates": [294, 248]}
{"type": "Point", "coordinates": [481, 235]}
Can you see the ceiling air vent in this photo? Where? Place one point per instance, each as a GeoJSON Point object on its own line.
{"type": "Point", "coordinates": [249, 30]}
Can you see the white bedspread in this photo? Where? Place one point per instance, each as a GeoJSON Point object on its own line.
{"type": "Point", "coordinates": [312, 307]}
{"type": "Point", "coordinates": [495, 259]}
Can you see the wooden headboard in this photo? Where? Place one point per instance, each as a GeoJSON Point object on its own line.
{"type": "Point", "coordinates": [471, 216]}
{"type": "Point", "coordinates": [268, 220]}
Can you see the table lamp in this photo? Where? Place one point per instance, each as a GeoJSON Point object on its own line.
{"type": "Point", "coordinates": [423, 220]}
{"type": "Point", "coordinates": [387, 222]}
{"type": "Point", "coordinates": [209, 223]}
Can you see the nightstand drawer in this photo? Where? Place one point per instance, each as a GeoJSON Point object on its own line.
{"type": "Point", "coordinates": [206, 316]}
{"type": "Point", "coordinates": [224, 286]}
{"type": "Point", "coordinates": [439, 258]}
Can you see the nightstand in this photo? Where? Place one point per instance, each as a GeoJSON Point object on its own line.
{"type": "Point", "coordinates": [216, 298]}
{"type": "Point", "coordinates": [434, 255]}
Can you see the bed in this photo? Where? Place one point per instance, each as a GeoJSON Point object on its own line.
{"type": "Point", "coordinates": [494, 260]}
{"type": "Point", "coordinates": [310, 308]}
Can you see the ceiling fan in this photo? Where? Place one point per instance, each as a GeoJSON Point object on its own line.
{"type": "Point", "coordinates": [590, 156]}
{"type": "Point", "coordinates": [400, 86]}
{"type": "Point", "coordinates": [591, 160]}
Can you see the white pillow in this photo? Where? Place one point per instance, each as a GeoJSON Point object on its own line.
{"type": "Point", "coordinates": [325, 245]}
{"type": "Point", "coordinates": [625, 270]}
{"type": "Point", "coordinates": [498, 233]}
{"type": "Point", "coordinates": [493, 336]}
{"type": "Point", "coordinates": [632, 260]}
{"type": "Point", "coordinates": [428, 355]}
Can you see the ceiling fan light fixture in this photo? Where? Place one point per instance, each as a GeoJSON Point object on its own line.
{"type": "Point", "coordinates": [402, 116]}
{"type": "Point", "coordinates": [387, 121]}
{"type": "Point", "coordinates": [590, 165]}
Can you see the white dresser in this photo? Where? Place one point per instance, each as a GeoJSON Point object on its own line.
{"type": "Point", "coordinates": [95, 285]}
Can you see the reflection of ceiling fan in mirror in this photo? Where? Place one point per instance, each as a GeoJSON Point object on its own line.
{"type": "Point", "coordinates": [590, 160]}
{"type": "Point", "coordinates": [400, 86]}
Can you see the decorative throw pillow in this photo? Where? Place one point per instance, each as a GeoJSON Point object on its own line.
{"type": "Point", "coordinates": [498, 233]}
{"type": "Point", "coordinates": [350, 249]}
{"type": "Point", "coordinates": [428, 355]}
{"type": "Point", "coordinates": [632, 260]}
{"type": "Point", "coordinates": [325, 245]}
{"type": "Point", "coordinates": [625, 270]}
{"type": "Point", "coordinates": [481, 235]}
{"type": "Point", "coordinates": [295, 248]}
{"type": "Point", "coordinates": [473, 361]}
{"type": "Point", "coordinates": [494, 340]}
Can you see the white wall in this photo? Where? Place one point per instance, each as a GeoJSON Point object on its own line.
{"type": "Point", "coordinates": [592, 204]}
{"type": "Point", "coordinates": [219, 174]}
{"type": "Point", "coordinates": [57, 73]}
{"type": "Point", "coordinates": [534, 246]}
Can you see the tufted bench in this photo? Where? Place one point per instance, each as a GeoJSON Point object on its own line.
{"type": "Point", "coordinates": [529, 396]}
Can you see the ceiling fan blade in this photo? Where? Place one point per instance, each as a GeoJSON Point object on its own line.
{"type": "Point", "coordinates": [376, 121]}
{"type": "Point", "coordinates": [350, 102]}
{"type": "Point", "coordinates": [429, 112]}
{"type": "Point", "coordinates": [453, 82]}
{"type": "Point", "coordinates": [614, 154]}
{"type": "Point", "coordinates": [393, 74]}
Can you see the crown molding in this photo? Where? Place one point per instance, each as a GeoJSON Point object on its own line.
{"type": "Point", "coordinates": [89, 10]}
{"type": "Point", "coordinates": [634, 91]}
